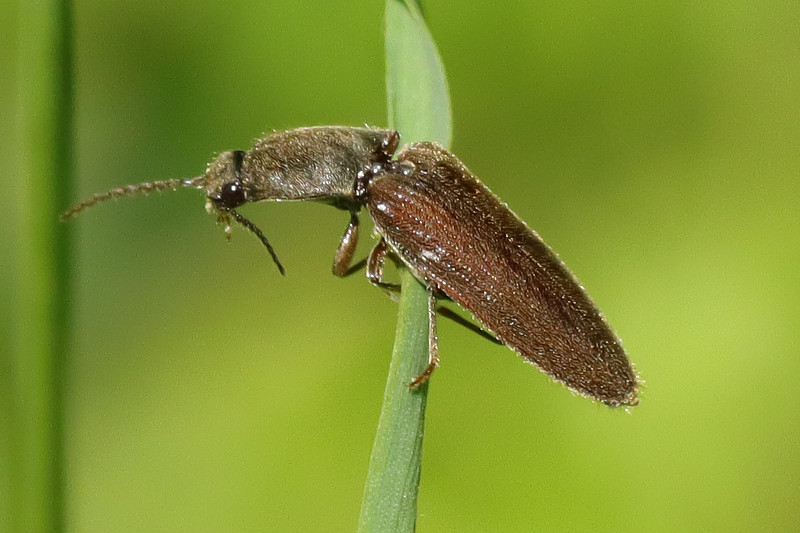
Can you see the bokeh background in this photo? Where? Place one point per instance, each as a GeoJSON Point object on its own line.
{"type": "Point", "coordinates": [655, 146]}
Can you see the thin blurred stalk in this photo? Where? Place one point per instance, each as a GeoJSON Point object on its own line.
{"type": "Point", "coordinates": [419, 108]}
{"type": "Point", "coordinates": [41, 267]}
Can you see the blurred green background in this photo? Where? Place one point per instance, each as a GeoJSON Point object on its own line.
{"type": "Point", "coordinates": [655, 146]}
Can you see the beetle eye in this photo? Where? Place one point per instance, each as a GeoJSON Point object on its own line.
{"type": "Point", "coordinates": [230, 196]}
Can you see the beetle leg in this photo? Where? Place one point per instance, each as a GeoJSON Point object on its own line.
{"type": "Point", "coordinates": [433, 343]}
{"type": "Point", "coordinates": [375, 275]}
{"type": "Point", "coordinates": [460, 320]}
{"type": "Point", "coordinates": [344, 254]}
{"type": "Point", "coordinates": [355, 268]}
{"type": "Point", "coordinates": [375, 268]}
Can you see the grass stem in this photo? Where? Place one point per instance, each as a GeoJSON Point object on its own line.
{"type": "Point", "coordinates": [419, 108]}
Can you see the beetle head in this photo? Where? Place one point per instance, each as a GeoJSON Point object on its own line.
{"type": "Point", "coordinates": [225, 192]}
{"type": "Point", "coordinates": [223, 182]}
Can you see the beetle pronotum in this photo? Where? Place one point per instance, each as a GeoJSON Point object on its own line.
{"type": "Point", "coordinates": [450, 230]}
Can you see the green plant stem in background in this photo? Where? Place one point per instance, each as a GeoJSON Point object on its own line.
{"type": "Point", "coordinates": [41, 288]}
{"type": "Point", "coordinates": [419, 108]}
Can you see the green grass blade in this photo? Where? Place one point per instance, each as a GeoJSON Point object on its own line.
{"type": "Point", "coordinates": [390, 494]}
{"type": "Point", "coordinates": [41, 267]}
{"type": "Point", "coordinates": [416, 87]}
{"type": "Point", "coordinates": [419, 108]}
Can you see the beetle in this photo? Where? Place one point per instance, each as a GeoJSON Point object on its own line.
{"type": "Point", "coordinates": [457, 238]}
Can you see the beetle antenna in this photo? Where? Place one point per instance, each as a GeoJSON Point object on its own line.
{"type": "Point", "coordinates": [135, 190]}
{"type": "Point", "coordinates": [252, 227]}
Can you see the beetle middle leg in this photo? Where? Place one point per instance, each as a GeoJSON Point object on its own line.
{"type": "Point", "coordinates": [375, 268]}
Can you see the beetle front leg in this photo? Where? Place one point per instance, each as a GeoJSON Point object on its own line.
{"type": "Point", "coordinates": [344, 254]}
{"type": "Point", "coordinates": [433, 343]}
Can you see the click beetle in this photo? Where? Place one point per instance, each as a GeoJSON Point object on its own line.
{"type": "Point", "coordinates": [457, 238]}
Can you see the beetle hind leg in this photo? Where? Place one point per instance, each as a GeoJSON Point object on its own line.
{"type": "Point", "coordinates": [433, 343]}
{"type": "Point", "coordinates": [461, 321]}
